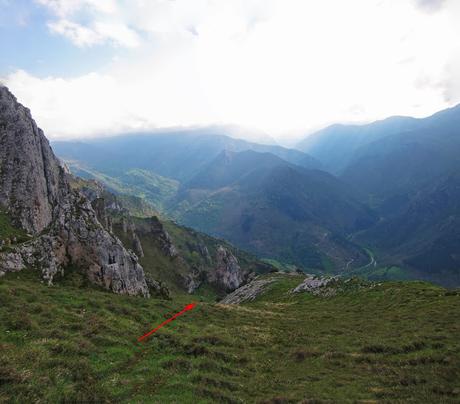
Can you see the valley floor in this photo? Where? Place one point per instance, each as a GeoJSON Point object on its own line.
{"type": "Point", "coordinates": [391, 342]}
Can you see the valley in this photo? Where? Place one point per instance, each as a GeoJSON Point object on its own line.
{"type": "Point", "coordinates": [393, 189]}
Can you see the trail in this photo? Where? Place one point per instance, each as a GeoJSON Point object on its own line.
{"type": "Point", "coordinates": [372, 262]}
{"type": "Point", "coordinates": [348, 263]}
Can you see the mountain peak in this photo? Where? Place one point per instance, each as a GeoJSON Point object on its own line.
{"type": "Point", "coordinates": [62, 226]}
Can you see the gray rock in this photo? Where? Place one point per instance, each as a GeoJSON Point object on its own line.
{"type": "Point", "coordinates": [36, 193]}
{"type": "Point", "coordinates": [228, 273]}
{"type": "Point", "coordinates": [194, 279]}
{"type": "Point", "coordinates": [247, 292]}
{"type": "Point", "coordinates": [162, 238]}
{"type": "Point", "coordinates": [314, 284]}
{"type": "Point", "coordinates": [110, 224]}
{"type": "Point", "coordinates": [137, 246]}
{"type": "Point", "coordinates": [158, 288]}
{"type": "Point", "coordinates": [204, 252]}
{"type": "Point", "coordinates": [124, 224]}
{"type": "Point", "coordinates": [11, 262]}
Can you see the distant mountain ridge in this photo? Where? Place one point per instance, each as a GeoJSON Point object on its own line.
{"type": "Point", "coordinates": [278, 203]}
{"type": "Point", "coordinates": [337, 145]}
{"type": "Point", "coordinates": [407, 170]}
{"type": "Point", "coordinates": [178, 155]}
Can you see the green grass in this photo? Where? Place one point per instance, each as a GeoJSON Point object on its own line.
{"type": "Point", "coordinates": [8, 231]}
{"type": "Point", "coordinates": [392, 342]}
{"type": "Point", "coordinates": [153, 188]}
{"type": "Point", "coordinates": [379, 273]}
{"type": "Point", "coordinates": [280, 266]}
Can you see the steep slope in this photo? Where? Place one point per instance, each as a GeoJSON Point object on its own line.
{"type": "Point", "coordinates": [390, 159]}
{"type": "Point", "coordinates": [175, 259]}
{"type": "Point", "coordinates": [275, 209]}
{"type": "Point", "coordinates": [152, 188]}
{"type": "Point", "coordinates": [398, 165]}
{"type": "Point", "coordinates": [407, 170]}
{"type": "Point", "coordinates": [336, 145]}
{"type": "Point", "coordinates": [425, 236]}
{"type": "Point", "coordinates": [62, 226]}
{"type": "Point", "coordinates": [229, 167]}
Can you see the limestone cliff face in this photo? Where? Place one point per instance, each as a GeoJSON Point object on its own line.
{"type": "Point", "coordinates": [36, 194]}
{"type": "Point", "coordinates": [162, 237]}
{"type": "Point", "coordinates": [228, 273]}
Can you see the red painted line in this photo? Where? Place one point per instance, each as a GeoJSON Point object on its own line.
{"type": "Point", "coordinates": [186, 308]}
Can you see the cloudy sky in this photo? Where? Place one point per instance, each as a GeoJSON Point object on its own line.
{"type": "Point", "coordinates": [96, 67]}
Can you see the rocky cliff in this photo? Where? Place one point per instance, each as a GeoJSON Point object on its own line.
{"type": "Point", "coordinates": [188, 258]}
{"type": "Point", "coordinates": [228, 273]}
{"type": "Point", "coordinates": [64, 230]}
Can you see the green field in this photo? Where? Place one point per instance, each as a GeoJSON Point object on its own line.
{"type": "Point", "coordinates": [392, 342]}
{"type": "Point", "coordinates": [8, 231]}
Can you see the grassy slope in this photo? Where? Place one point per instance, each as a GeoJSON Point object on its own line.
{"type": "Point", "coordinates": [8, 230]}
{"type": "Point", "coordinates": [396, 341]}
{"type": "Point", "coordinates": [144, 184]}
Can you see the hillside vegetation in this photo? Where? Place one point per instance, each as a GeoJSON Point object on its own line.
{"type": "Point", "coordinates": [71, 342]}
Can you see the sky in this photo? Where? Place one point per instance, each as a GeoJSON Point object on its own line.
{"type": "Point", "coordinates": [285, 68]}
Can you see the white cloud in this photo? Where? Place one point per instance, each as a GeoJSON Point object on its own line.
{"type": "Point", "coordinates": [91, 22]}
{"type": "Point", "coordinates": [430, 5]}
{"type": "Point", "coordinates": [79, 35]}
{"type": "Point", "coordinates": [87, 104]}
{"type": "Point", "coordinates": [275, 65]}
{"type": "Point", "coordinates": [118, 33]}
{"type": "Point", "coordinates": [66, 8]}
{"type": "Point", "coordinates": [99, 33]}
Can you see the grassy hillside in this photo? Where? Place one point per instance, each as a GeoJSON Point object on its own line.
{"type": "Point", "coordinates": [392, 342]}
{"type": "Point", "coordinates": [282, 212]}
{"type": "Point", "coordinates": [144, 184]}
{"type": "Point", "coordinates": [8, 231]}
{"type": "Point", "coordinates": [196, 253]}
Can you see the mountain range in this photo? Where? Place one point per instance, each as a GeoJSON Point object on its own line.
{"type": "Point", "coordinates": [85, 272]}
{"type": "Point", "coordinates": [272, 201]}
{"type": "Point", "coordinates": [350, 197]}
{"type": "Point", "coordinates": [407, 171]}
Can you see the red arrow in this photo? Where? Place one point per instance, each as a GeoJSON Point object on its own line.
{"type": "Point", "coordinates": [190, 306]}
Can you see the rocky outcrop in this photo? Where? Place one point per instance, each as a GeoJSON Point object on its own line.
{"type": "Point", "coordinates": [162, 237]}
{"type": "Point", "coordinates": [314, 284]}
{"type": "Point", "coordinates": [247, 292]}
{"type": "Point", "coordinates": [137, 246]}
{"type": "Point", "coordinates": [204, 252]}
{"type": "Point", "coordinates": [158, 288]}
{"type": "Point", "coordinates": [228, 273]}
{"type": "Point", "coordinates": [193, 280]}
{"type": "Point", "coordinates": [124, 224]}
{"type": "Point", "coordinates": [35, 191]}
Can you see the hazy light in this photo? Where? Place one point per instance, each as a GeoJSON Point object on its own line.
{"type": "Point", "coordinates": [281, 66]}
